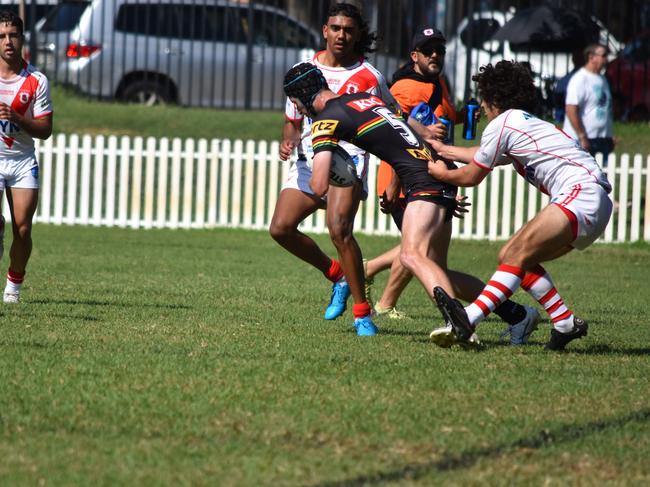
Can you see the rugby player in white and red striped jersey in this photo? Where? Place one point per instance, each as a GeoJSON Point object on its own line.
{"type": "Point", "coordinates": [346, 71]}
{"type": "Point", "coordinates": [549, 159]}
{"type": "Point", "coordinates": [25, 113]}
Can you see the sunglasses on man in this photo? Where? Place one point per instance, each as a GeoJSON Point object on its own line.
{"type": "Point", "coordinates": [428, 51]}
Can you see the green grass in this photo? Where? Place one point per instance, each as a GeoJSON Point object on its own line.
{"type": "Point", "coordinates": [201, 358]}
{"type": "Point", "coordinates": [80, 115]}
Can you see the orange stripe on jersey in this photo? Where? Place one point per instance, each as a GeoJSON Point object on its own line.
{"type": "Point", "coordinates": [25, 95]}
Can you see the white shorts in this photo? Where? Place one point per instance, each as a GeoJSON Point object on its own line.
{"type": "Point", "coordinates": [19, 173]}
{"type": "Point", "coordinates": [588, 208]}
{"type": "Point", "coordinates": [300, 174]}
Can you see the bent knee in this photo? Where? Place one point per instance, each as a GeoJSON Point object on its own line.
{"type": "Point", "coordinates": [408, 258]}
{"type": "Point", "coordinates": [280, 230]}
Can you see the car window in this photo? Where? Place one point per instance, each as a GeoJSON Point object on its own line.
{"type": "Point", "coordinates": [270, 28]}
{"type": "Point", "coordinates": [194, 22]}
{"type": "Point", "coordinates": [481, 31]}
{"type": "Point", "coordinates": [64, 17]}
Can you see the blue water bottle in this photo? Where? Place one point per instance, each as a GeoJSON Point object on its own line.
{"type": "Point", "coordinates": [423, 113]}
{"type": "Point", "coordinates": [469, 124]}
{"type": "Point", "coordinates": [450, 129]}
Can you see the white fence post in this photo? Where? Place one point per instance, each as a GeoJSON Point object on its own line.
{"type": "Point", "coordinates": [137, 191]}
{"type": "Point", "coordinates": [98, 180]}
{"type": "Point", "coordinates": [188, 183]}
{"type": "Point", "coordinates": [72, 185]}
{"type": "Point", "coordinates": [86, 171]}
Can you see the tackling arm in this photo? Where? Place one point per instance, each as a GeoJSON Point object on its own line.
{"type": "Point", "coordinates": [468, 175]}
{"type": "Point", "coordinates": [454, 153]}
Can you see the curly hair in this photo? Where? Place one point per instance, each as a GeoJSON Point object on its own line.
{"type": "Point", "coordinates": [366, 38]}
{"type": "Point", "coordinates": [506, 85]}
{"type": "Point", "coordinates": [8, 17]}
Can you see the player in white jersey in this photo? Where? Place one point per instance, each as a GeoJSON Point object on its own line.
{"type": "Point", "coordinates": [347, 40]}
{"type": "Point", "coordinates": [25, 113]}
{"type": "Point", "coordinates": [546, 157]}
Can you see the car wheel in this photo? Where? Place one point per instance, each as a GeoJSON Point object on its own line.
{"type": "Point", "coordinates": [147, 92]}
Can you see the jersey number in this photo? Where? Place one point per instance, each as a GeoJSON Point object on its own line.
{"type": "Point", "coordinates": [397, 123]}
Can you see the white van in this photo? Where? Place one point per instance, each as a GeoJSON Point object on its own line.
{"type": "Point", "coordinates": [480, 27]}
{"type": "Point", "coordinates": [211, 53]}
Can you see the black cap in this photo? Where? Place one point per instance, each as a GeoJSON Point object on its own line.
{"type": "Point", "coordinates": [424, 35]}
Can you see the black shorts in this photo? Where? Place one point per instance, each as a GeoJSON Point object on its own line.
{"type": "Point", "coordinates": [436, 197]}
{"type": "Point", "coordinates": [397, 212]}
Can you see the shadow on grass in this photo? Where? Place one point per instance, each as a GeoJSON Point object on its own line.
{"type": "Point", "coordinates": [94, 302]}
{"type": "Point", "coordinates": [453, 461]}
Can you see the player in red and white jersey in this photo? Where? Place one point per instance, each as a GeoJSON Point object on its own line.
{"type": "Point", "coordinates": [577, 215]}
{"type": "Point", "coordinates": [347, 40]}
{"type": "Point", "coordinates": [25, 113]}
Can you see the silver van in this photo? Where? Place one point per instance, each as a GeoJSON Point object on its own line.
{"type": "Point", "coordinates": [207, 53]}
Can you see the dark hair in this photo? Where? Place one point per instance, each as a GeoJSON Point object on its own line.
{"type": "Point", "coordinates": [304, 81]}
{"type": "Point", "coordinates": [366, 38]}
{"type": "Point", "coordinates": [506, 85]}
{"type": "Point", "coordinates": [8, 17]}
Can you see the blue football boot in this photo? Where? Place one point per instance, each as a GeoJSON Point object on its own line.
{"type": "Point", "coordinates": [365, 327]}
{"type": "Point", "coordinates": [339, 300]}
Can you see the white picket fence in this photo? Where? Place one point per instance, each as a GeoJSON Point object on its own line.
{"type": "Point", "coordinates": [155, 183]}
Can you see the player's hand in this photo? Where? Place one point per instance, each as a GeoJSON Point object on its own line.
{"type": "Point", "coordinates": [438, 131]}
{"type": "Point", "coordinates": [6, 113]}
{"type": "Point", "coordinates": [286, 149]}
{"type": "Point", "coordinates": [436, 144]}
{"type": "Point", "coordinates": [461, 206]}
{"type": "Point", "coordinates": [437, 168]}
{"type": "Point", "coordinates": [387, 202]}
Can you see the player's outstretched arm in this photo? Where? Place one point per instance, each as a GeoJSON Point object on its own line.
{"type": "Point", "coordinates": [469, 175]}
{"type": "Point", "coordinates": [454, 153]}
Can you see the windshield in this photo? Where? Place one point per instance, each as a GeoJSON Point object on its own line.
{"type": "Point", "coordinates": [64, 17]}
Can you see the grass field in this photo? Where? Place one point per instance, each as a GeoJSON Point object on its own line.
{"type": "Point", "coordinates": [71, 116]}
{"type": "Point", "coordinates": [200, 358]}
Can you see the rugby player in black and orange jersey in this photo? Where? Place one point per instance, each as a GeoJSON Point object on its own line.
{"type": "Point", "coordinates": [365, 120]}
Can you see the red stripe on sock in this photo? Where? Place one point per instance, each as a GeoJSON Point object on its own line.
{"type": "Point", "coordinates": [491, 296]}
{"type": "Point", "coordinates": [15, 277]}
{"type": "Point", "coordinates": [563, 316]}
{"type": "Point", "coordinates": [359, 310]}
{"type": "Point", "coordinates": [335, 272]}
{"type": "Point", "coordinates": [483, 306]}
{"type": "Point", "coordinates": [504, 289]}
{"type": "Point", "coordinates": [547, 296]}
{"type": "Point", "coordinates": [517, 271]}
{"type": "Point", "coordinates": [532, 276]}
{"type": "Point", "coordinates": [555, 306]}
